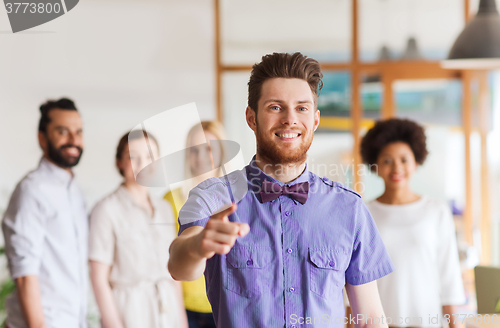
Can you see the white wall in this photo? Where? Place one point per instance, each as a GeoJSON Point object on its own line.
{"type": "Point", "coordinates": [122, 62]}
{"type": "Point", "coordinates": [322, 28]}
{"type": "Point", "coordinates": [125, 61]}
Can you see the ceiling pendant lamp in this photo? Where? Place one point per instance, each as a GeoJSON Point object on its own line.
{"type": "Point", "coordinates": [412, 52]}
{"type": "Point", "coordinates": [478, 45]}
{"type": "Point", "coordinates": [384, 53]}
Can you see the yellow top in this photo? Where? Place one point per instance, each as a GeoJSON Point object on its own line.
{"type": "Point", "coordinates": [195, 295]}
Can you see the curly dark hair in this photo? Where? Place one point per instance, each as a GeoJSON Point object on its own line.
{"type": "Point", "coordinates": [393, 130]}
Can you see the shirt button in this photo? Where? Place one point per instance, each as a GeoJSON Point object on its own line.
{"type": "Point", "coordinates": [249, 262]}
{"type": "Point", "coordinates": [291, 289]}
{"type": "Point", "coordinates": [287, 213]}
{"type": "Point", "coordinates": [331, 263]}
{"type": "Point", "coordinates": [289, 251]}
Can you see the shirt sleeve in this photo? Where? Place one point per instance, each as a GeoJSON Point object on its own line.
{"type": "Point", "coordinates": [23, 228]}
{"type": "Point", "coordinates": [206, 199]}
{"type": "Point", "coordinates": [197, 210]}
{"type": "Point", "coordinates": [369, 259]}
{"type": "Point", "coordinates": [101, 236]}
{"type": "Point", "coordinates": [452, 288]}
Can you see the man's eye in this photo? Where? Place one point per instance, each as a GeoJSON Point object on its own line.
{"type": "Point", "coordinates": [302, 109]}
{"type": "Point", "coordinates": [275, 107]}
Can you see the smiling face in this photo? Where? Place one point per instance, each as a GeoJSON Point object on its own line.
{"type": "Point", "coordinates": [285, 121]}
{"type": "Point", "coordinates": [204, 152]}
{"type": "Point", "coordinates": [62, 143]}
{"type": "Point", "coordinates": [135, 157]}
{"type": "Point", "coordinates": [396, 164]}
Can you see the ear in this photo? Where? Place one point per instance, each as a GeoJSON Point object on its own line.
{"type": "Point", "coordinates": [42, 141]}
{"type": "Point", "coordinates": [251, 118]}
{"type": "Point", "coordinates": [316, 119]}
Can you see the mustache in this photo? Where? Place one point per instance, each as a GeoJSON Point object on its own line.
{"type": "Point", "coordinates": [69, 146]}
{"type": "Point", "coordinates": [283, 128]}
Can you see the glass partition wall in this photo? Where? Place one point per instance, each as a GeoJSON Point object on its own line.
{"type": "Point", "coordinates": [380, 59]}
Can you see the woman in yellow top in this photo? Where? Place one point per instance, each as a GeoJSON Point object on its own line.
{"type": "Point", "coordinates": [201, 157]}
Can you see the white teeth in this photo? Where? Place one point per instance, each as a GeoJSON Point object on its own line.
{"type": "Point", "coordinates": [72, 150]}
{"type": "Point", "coordinates": [288, 135]}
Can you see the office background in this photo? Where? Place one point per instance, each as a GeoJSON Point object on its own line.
{"type": "Point", "coordinates": [126, 61]}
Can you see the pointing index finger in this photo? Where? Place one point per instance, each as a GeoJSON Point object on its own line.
{"type": "Point", "coordinates": [225, 213]}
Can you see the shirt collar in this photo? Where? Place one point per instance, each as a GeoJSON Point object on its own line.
{"type": "Point", "coordinates": [256, 176]}
{"type": "Point", "coordinates": [59, 173]}
{"type": "Point", "coordinates": [127, 197]}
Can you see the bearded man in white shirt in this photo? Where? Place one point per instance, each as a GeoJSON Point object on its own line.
{"type": "Point", "coordinates": [45, 229]}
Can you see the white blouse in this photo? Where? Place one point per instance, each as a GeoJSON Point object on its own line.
{"type": "Point", "coordinates": [420, 238]}
{"type": "Point", "coordinates": [124, 236]}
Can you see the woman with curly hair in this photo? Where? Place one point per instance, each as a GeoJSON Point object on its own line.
{"type": "Point", "coordinates": [418, 231]}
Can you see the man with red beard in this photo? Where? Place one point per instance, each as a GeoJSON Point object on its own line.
{"type": "Point", "coordinates": [45, 229]}
{"type": "Point", "coordinates": [281, 254]}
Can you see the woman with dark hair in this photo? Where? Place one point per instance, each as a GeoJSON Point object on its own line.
{"type": "Point", "coordinates": [418, 231]}
{"type": "Point", "coordinates": [130, 233]}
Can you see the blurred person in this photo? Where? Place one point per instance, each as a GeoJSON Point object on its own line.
{"type": "Point", "coordinates": [418, 231]}
{"type": "Point", "coordinates": [130, 233]}
{"type": "Point", "coordinates": [203, 161]}
{"type": "Point", "coordinates": [281, 250]}
{"type": "Point", "coordinates": [45, 228]}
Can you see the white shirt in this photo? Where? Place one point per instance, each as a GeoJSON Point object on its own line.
{"type": "Point", "coordinates": [45, 228]}
{"type": "Point", "coordinates": [124, 236]}
{"type": "Point", "coordinates": [420, 239]}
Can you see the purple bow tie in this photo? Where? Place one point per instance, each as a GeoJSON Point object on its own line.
{"type": "Point", "coordinates": [271, 191]}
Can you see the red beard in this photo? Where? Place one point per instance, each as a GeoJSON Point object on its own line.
{"type": "Point", "coordinates": [272, 153]}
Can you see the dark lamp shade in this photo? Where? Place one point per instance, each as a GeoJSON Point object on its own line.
{"type": "Point", "coordinates": [412, 52]}
{"type": "Point", "coordinates": [478, 45]}
{"type": "Point", "coordinates": [384, 54]}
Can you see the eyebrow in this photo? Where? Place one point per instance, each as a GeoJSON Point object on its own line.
{"type": "Point", "coordinates": [390, 155]}
{"type": "Point", "coordinates": [60, 127]}
{"type": "Point", "coordinates": [281, 101]}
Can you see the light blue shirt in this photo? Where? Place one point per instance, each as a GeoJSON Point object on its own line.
{"type": "Point", "coordinates": [45, 229]}
{"type": "Point", "coordinates": [289, 271]}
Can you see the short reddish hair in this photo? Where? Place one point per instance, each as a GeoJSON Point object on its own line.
{"type": "Point", "coordinates": [292, 66]}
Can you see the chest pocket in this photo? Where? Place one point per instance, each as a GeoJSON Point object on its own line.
{"type": "Point", "coordinates": [327, 271]}
{"type": "Point", "coordinates": [248, 270]}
